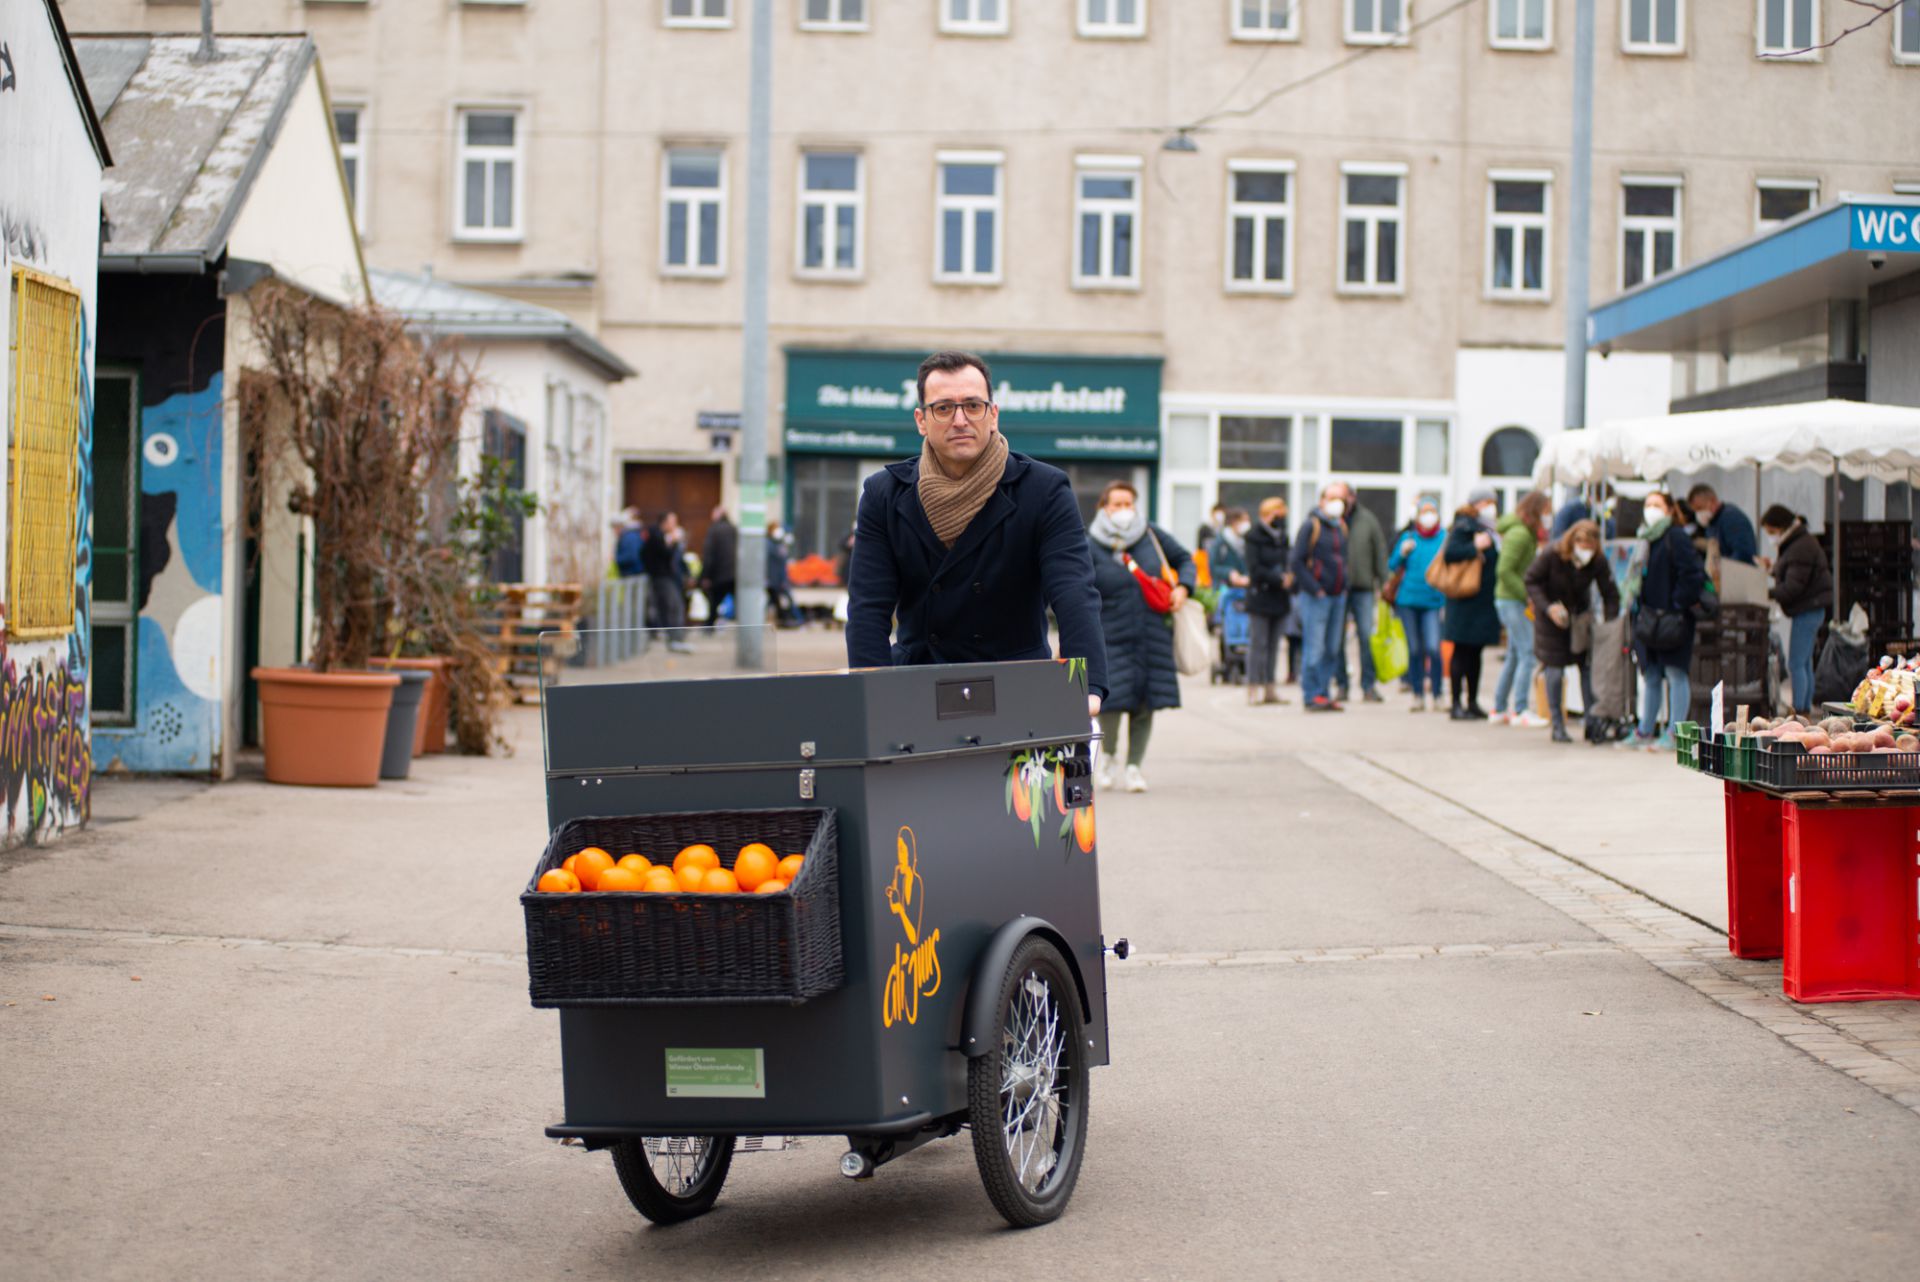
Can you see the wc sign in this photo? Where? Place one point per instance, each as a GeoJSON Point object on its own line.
{"type": "Point", "coordinates": [1886, 228]}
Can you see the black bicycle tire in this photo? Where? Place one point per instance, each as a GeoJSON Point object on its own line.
{"type": "Point", "coordinates": [652, 1200]}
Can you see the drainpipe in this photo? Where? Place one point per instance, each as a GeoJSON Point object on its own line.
{"type": "Point", "coordinates": [206, 52]}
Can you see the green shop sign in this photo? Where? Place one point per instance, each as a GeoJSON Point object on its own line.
{"type": "Point", "coordinates": [1051, 407]}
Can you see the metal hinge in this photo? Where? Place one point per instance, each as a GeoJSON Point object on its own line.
{"type": "Point", "coordinates": [806, 785]}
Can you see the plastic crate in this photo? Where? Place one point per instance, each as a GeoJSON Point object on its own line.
{"type": "Point", "coordinates": [623, 948]}
{"type": "Point", "coordinates": [1686, 744]}
{"type": "Point", "coordinates": [1736, 753]}
{"type": "Point", "coordinates": [1791, 768]}
{"type": "Point", "coordinates": [1852, 902]}
{"type": "Point", "coordinates": [1754, 861]}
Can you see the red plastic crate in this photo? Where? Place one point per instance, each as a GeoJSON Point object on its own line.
{"type": "Point", "coordinates": [1755, 910]}
{"type": "Point", "coordinates": [1853, 902]}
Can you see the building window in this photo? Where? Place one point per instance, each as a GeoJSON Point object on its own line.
{"type": "Point", "coordinates": [1372, 211]}
{"type": "Point", "coordinates": [490, 167]}
{"type": "Point", "coordinates": [1376, 22]}
{"type": "Point", "coordinates": [1649, 229]}
{"type": "Point", "coordinates": [1789, 28]}
{"type": "Point", "coordinates": [1906, 32]}
{"type": "Point", "coordinates": [1521, 24]}
{"type": "Point", "coordinates": [833, 15]}
{"type": "Point", "coordinates": [1511, 451]}
{"type": "Point", "coordinates": [350, 127]}
{"type": "Point", "coordinates": [967, 207]}
{"type": "Point", "coordinates": [1265, 19]}
{"type": "Point", "coordinates": [974, 17]}
{"type": "Point", "coordinates": [1365, 445]}
{"type": "Point", "coordinates": [1778, 199]}
{"type": "Point", "coordinates": [1113, 17]}
{"type": "Point", "coordinates": [1519, 209]}
{"type": "Point", "coordinates": [43, 455]}
{"type": "Point", "coordinates": [699, 13]}
{"type": "Point", "coordinates": [830, 197]}
{"type": "Point", "coordinates": [116, 543]}
{"type": "Point", "coordinates": [693, 217]}
{"type": "Point", "coordinates": [1255, 444]}
{"type": "Point", "coordinates": [1259, 226]}
{"type": "Point", "coordinates": [1106, 209]}
{"type": "Point", "coordinates": [1653, 26]}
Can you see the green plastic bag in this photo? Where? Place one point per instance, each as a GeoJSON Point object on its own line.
{"type": "Point", "coordinates": [1389, 643]}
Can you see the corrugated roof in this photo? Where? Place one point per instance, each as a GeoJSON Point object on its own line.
{"type": "Point", "coordinates": [187, 136]}
{"type": "Point", "coordinates": [434, 304]}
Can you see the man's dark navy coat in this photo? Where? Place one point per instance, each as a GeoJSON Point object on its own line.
{"type": "Point", "coordinates": [984, 600]}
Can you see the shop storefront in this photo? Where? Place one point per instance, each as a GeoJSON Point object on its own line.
{"type": "Point", "coordinates": [850, 412]}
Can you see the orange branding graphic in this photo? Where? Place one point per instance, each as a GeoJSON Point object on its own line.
{"type": "Point", "coordinates": [916, 965]}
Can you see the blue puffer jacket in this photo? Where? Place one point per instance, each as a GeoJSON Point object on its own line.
{"type": "Point", "coordinates": [1140, 667]}
{"type": "Point", "coordinates": [1415, 592]}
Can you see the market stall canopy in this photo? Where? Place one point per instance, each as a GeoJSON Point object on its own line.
{"type": "Point", "coordinates": [1858, 439]}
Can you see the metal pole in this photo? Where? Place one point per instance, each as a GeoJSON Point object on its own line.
{"type": "Point", "coordinates": [750, 582]}
{"type": "Point", "coordinates": [1580, 202]}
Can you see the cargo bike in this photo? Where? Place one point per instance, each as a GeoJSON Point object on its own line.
{"type": "Point", "coordinates": [936, 966]}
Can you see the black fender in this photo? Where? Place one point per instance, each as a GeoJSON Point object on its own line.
{"type": "Point", "coordinates": [980, 1021]}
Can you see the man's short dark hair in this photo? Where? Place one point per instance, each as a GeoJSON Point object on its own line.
{"type": "Point", "coordinates": [1701, 491]}
{"type": "Point", "coordinates": [947, 363]}
{"type": "Point", "coordinates": [1113, 487]}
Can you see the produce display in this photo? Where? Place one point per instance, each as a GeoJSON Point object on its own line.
{"type": "Point", "coordinates": [1835, 735]}
{"type": "Point", "coordinates": [696, 870]}
{"type": "Point", "coordinates": [1890, 691]}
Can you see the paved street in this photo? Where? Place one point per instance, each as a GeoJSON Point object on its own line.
{"type": "Point", "coordinates": [1412, 1000]}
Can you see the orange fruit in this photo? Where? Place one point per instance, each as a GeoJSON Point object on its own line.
{"type": "Point", "coordinates": [618, 878]}
{"type": "Point", "coordinates": [589, 864]}
{"type": "Point", "coordinates": [700, 856]}
{"type": "Point", "coordinates": [661, 881]}
{"type": "Point", "coordinates": [719, 881]}
{"type": "Point", "coordinates": [753, 865]}
{"type": "Point", "coordinates": [634, 863]}
{"type": "Point", "coordinates": [771, 886]}
{"type": "Point", "coordinates": [559, 880]}
{"type": "Point", "coordinates": [790, 868]}
{"type": "Point", "coordinates": [566, 865]}
{"type": "Point", "coordinates": [691, 877]}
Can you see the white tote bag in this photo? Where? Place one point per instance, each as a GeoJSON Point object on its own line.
{"type": "Point", "coordinates": [1192, 653]}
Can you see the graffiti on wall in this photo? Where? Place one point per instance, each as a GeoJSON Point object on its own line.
{"type": "Point", "coordinates": [46, 762]}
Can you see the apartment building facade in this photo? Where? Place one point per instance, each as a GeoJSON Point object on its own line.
{"type": "Point", "coordinates": [1351, 261]}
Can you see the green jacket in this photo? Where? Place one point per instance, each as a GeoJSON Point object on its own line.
{"type": "Point", "coordinates": [1366, 552]}
{"type": "Point", "coordinates": [1518, 544]}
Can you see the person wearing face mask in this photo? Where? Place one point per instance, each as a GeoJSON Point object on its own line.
{"type": "Point", "coordinates": [1725, 523]}
{"type": "Point", "coordinates": [1366, 573]}
{"type": "Point", "coordinates": [1419, 604]}
{"type": "Point", "coordinates": [1142, 678]}
{"type": "Point", "coordinates": [1472, 623]}
{"type": "Point", "coordinates": [1520, 532]}
{"type": "Point", "coordinates": [1268, 598]}
{"type": "Point", "coordinates": [1560, 585]}
{"type": "Point", "coordinates": [1803, 585]}
{"type": "Point", "coordinates": [1663, 594]}
{"type": "Point", "coordinates": [1319, 565]}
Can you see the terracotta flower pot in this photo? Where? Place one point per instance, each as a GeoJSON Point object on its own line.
{"type": "Point", "coordinates": [430, 729]}
{"type": "Point", "coordinates": [324, 729]}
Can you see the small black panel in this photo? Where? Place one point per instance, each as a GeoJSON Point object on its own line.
{"type": "Point", "coordinates": [963, 698]}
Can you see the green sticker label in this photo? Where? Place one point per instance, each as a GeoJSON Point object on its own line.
{"type": "Point", "coordinates": [726, 1072]}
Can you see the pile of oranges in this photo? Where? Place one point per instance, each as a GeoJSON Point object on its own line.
{"type": "Point", "coordinates": [696, 870]}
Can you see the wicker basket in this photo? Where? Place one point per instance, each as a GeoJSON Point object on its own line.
{"type": "Point", "coordinates": [627, 948]}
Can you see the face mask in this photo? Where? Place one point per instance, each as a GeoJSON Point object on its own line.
{"type": "Point", "coordinates": [1704, 518]}
{"type": "Point", "coordinates": [1655, 513]}
{"type": "Point", "coordinates": [1583, 555]}
{"type": "Point", "coordinates": [1334, 508]}
{"type": "Point", "coordinates": [1242, 528]}
{"type": "Point", "coordinates": [1428, 520]}
{"type": "Point", "coordinates": [1488, 511]}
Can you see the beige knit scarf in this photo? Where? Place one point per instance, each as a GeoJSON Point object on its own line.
{"type": "Point", "coordinates": [951, 503]}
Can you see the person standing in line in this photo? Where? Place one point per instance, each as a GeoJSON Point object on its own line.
{"type": "Point", "coordinates": [626, 547]}
{"type": "Point", "coordinates": [1560, 585]}
{"type": "Point", "coordinates": [1472, 624]}
{"type": "Point", "coordinates": [779, 587]}
{"type": "Point", "coordinates": [1663, 595]}
{"type": "Point", "coordinates": [1803, 585]}
{"type": "Point", "coordinates": [1419, 604]}
{"type": "Point", "coordinates": [663, 557]}
{"type": "Point", "coordinates": [1268, 598]}
{"type": "Point", "coordinates": [1142, 575]}
{"type": "Point", "coordinates": [720, 564]}
{"type": "Point", "coordinates": [1520, 531]}
{"type": "Point", "coordinates": [1211, 528]}
{"type": "Point", "coordinates": [1319, 566]}
{"type": "Point", "coordinates": [1366, 574]}
{"type": "Point", "coordinates": [1725, 523]}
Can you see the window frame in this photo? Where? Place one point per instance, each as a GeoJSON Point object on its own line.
{"type": "Point", "coordinates": [995, 204]}
{"type": "Point", "coordinates": [116, 612]}
{"type": "Point", "coordinates": [836, 24]}
{"type": "Point", "coordinates": [1104, 166]}
{"type": "Point", "coordinates": [1648, 225]}
{"type": "Point", "coordinates": [697, 21]}
{"type": "Point", "coordinates": [1521, 44]}
{"type": "Point", "coordinates": [696, 196]}
{"type": "Point", "coordinates": [1371, 169]}
{"type": "Point", "coordinates": [1267, 34]}
{"type": "Point", "coordinates": [1353, 36]}
{"type": "Point", "coordinates": [1654, 48]}
{"type": "Point", "coordinates": [1263, 211]}
{"type": "Point", "coordinates": [1519, 224]}
{"type": "Point", "coordinates": [1767, 53]}
{"type": "Point", "coordinates": [463, 153]}
{"type": "Point", "coordinates": [356, 151]}
{"type": "Point", "coordinates": [1809, 185]}
{"type": "Point", "coordinates": [1901, 57]}
{"type": "Point", "coordinates": [1085, 26]}
{"type": "Point", "coordinates": [952, 26]}
{"type": "Point", "coordinates": [832, 201]}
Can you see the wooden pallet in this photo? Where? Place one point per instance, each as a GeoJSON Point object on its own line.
{"type": "Point", "coordinates": [523, 612]}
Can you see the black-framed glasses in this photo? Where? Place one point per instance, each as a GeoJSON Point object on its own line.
{"type": "Point", "coordinates": [942, 411]}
